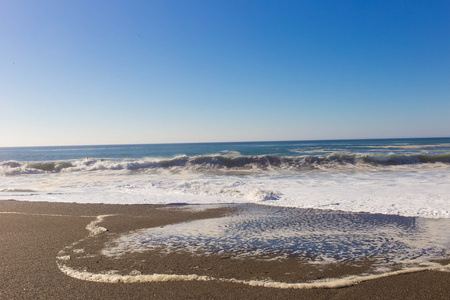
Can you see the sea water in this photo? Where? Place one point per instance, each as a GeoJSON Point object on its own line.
{"type": "Point", "coordinates": [407, 177]}
{"type": "Point", "coordinates": [321, 201]}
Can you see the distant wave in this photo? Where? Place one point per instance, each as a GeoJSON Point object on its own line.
{"type": "Point", "coordinates": [401, 146]}
{"type": "Point", "coordinates": [225, 163]}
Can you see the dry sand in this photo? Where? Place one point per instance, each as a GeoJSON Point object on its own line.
{"type": "Point", "coordinates": [33, 234]}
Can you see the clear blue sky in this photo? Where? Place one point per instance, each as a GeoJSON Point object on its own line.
{"type": "Point", "coordinates": [112, 72]}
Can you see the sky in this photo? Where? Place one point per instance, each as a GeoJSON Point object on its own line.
{"type": "Point", "coordinates": [123, 72]}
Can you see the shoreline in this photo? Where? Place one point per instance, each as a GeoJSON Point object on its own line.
{"type": "Point", "coordinates": [33, 234]}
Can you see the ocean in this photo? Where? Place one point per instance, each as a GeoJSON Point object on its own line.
{"type": "Point", "coordinates": [321, 201]}
{"type": "Point", "coordinates": [407, 177]}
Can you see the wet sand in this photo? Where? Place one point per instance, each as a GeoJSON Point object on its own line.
{"type": "Point", "coordinates": [34, 233]}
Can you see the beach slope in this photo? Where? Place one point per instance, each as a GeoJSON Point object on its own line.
{"type": "Point", "coordinates": [33, 234]}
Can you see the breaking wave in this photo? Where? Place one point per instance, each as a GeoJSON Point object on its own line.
{"type": "Point", "coordinates": [225, 163]}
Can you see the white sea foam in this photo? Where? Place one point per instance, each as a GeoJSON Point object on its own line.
{"type": "Point", "coordinates": [419, 190]}
{"type": "Point", "coordinates": [318, 284]}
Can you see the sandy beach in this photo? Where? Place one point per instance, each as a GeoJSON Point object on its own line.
{"type": "Point", "coordinates": [34, 237]}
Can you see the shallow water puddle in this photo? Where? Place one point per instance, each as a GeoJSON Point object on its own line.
{"type": "Point", "coordinates": [393, 244]}
{"type": "Point", "coordinates": [318, 235]}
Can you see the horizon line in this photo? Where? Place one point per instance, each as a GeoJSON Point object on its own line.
{"type": "Point", "coordinates": [232, 142]}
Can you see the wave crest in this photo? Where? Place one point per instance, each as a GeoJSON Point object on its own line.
{"type": "Point", "coordinates": [225, 163]}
